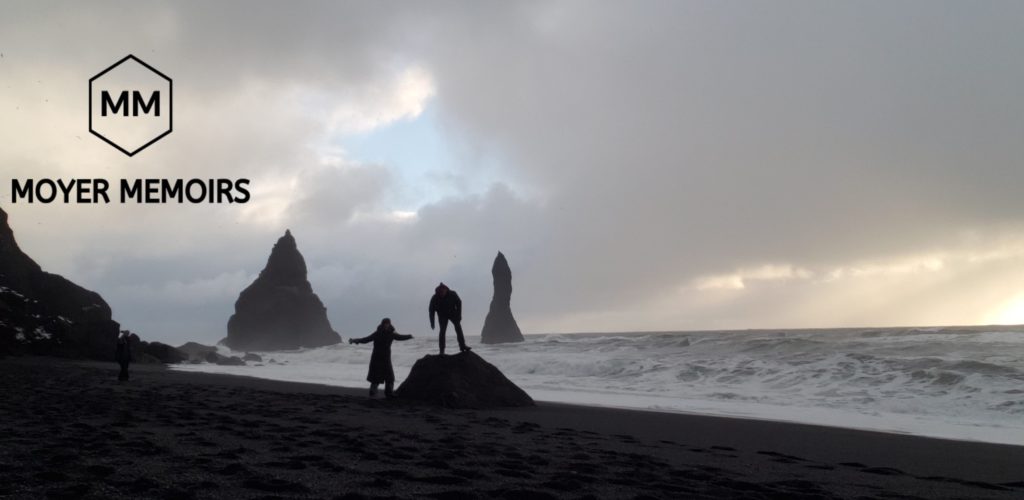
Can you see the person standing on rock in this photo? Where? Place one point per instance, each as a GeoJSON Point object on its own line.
{"type": "Point", "coordinates": [123, 355]}
{"type": "Point", "coordinates": [448, 307]}
{"type": "Point", "coordinates": [380, 360]}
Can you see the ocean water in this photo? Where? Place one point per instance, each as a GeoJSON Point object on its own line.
{"type": "Point", "coordinates": [959, 383]}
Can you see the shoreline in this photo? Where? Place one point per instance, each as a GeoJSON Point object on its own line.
{"type": "Point", "coordinates": [170, 433]}
{"type": "Point", "coordinates": [842, 418]}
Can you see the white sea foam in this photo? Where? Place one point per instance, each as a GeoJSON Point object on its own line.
{"type": "Point", "coordinates": [951, 383]}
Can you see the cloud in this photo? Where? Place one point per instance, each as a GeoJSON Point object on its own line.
{"type": "Point", "coordinates": [665, 165]}
{"type": "Point", "coordinates": [926, 263]}
{"type": "Point", "coordinates": [332, 194]}
{"type": "Point", "coordinates": [738, 280]}
{"type": "Point", "coordinates": [175, 292]}
{"type": "Point", "coordinates": [403, 98]}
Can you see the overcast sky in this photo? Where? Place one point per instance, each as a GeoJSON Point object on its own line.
{"type": "Point", "coordinates": [643, 165]}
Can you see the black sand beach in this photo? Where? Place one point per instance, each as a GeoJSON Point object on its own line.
{"type": "Point", "coordinates": [70, 430]}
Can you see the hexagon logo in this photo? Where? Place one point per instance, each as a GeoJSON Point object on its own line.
{"type": "Point", "coordinates": [130, 105]}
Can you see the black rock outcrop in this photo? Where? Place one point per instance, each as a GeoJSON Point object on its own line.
{"type": "Point", "coordinates": [215, 358]}
{"type": "Point", "coordinates": [279, 310]}
{"type": "Point", "coordinates": [45, 314]}
{"type": "Point", "coordinates": [499, 325]}
{"type": "Point", "coordinates": [463, 380]}
{"type": "Point", "coordinates": [230, 361]}
{"type": "Point", "coordinates": [154, 352]}
{"type": "Point", "coordinates": [165, 353]}
{"type": "Point", "coordinates": [196, 352]}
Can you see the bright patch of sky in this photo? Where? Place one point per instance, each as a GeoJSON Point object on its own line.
{"type": "Point", "coordinates": [428, 164]}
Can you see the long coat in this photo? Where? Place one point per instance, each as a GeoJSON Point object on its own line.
{"type": "Point", "coordinates": [123, 355]}
{"type": "Point", "coordinates": [380, 361]}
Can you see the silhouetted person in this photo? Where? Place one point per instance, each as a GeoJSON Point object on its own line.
{"type": "Point", "coordinates": [380, 360]}
{"type": "Point", "coordinates": [123, 355]}
{"type": "Point", "coordinates": [448, 307]}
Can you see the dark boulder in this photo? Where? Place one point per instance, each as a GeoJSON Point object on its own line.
{"type": "Point", "coordinates": [230, 361]}
{"type": "Point", "coordinates": [153, 352]}
{"type": "Point", "coordinates": [45, 314]}
{"type": "Point", "coordinates": [195, 351]}
{"type": "Point", "coordinates": [499, 325]}
{"type": "Point", "coordinates": [163, 352]}
{"type": "Point", "coordinates": [217, 359]}
{"type": "Point", "coordinates": [279, 310]}
{"type": "Point", "coordinates": [463, 380]}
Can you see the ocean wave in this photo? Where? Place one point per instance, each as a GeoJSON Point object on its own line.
{"type": "Point", "coordinates": [948, 382]}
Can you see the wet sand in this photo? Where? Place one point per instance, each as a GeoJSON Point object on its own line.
{"type": "Point", "coordinates": [71, 430]}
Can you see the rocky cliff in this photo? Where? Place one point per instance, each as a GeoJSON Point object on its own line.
{"type": "Point", "coordinates": [279, 310]}
{"type": "Point", "coordinates": [45, 314]}
{"type": "Point", "coordinates": [499, 325]}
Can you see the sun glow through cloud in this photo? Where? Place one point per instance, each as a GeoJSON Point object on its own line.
{"type": "Point", "coordinates": [1010, 312]}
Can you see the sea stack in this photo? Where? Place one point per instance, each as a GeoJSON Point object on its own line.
{"type": "Point", "coordinates": [45, 314]}
{"type": "Point", "coordinates": [279, 310]}
{"type": "Point", "coordinates": [500, 326]}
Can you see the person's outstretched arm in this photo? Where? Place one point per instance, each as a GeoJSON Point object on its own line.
{"type": "Point", "coordinates": [399, 336]}
{"type": "Point", "coordinates": [363, 340]}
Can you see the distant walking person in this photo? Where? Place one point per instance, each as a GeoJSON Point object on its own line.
{"type": "Point", "coordinates": [123, 355]}
{"type": "Point", "coordinates": [448, 307]}
{"type": "Point", "coordinates": [380, 359]}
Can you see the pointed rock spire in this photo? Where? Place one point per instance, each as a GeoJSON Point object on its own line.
{"type": "Point", "coordinates": [500, 326]}
{"type": "Point", "coordinates": [286, 267]}
{"type": "Point", "coordinates": [279, 310]}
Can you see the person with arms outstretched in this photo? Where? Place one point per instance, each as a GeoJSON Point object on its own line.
{"type": "Point", "coordinates": [447, 305]}
{"type": "Point", "coordinates": [380, 360]}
